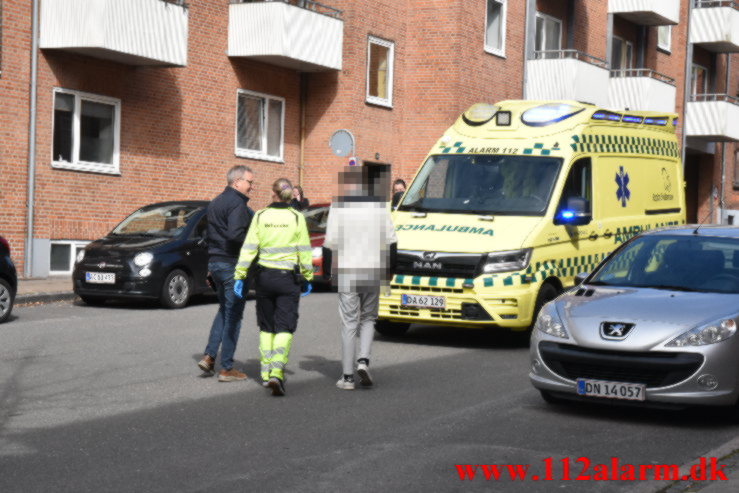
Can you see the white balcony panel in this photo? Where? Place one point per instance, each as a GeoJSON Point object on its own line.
{"type": "Point", "coordinates": [715, 121]}
{"type": "Point", "coordinates": [647, 12]}
{"type": "Point", "coordinates": [641, 94]}
{"type": "Point", "coordinates": [286, 35]}
{"type": "Point", "coordinates": [135, 32]}
{"type": "Point", "coordinates": [715, 28]}
{"type": "Point", "coordinates": [567, 79]}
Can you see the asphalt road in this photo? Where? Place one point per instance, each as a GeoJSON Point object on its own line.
{"type": "Point", "coordinates": [110, 399]}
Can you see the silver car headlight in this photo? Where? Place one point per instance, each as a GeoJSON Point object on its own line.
{"type": "Point", "coordinates": [550, 323]}
{"type": "Point", "coordinates": [718, 331]}
{"type": "Point", "coordinates": [143, 258]}
{"type": "Point", "coordinates": [80, 255]}
{"type": "Point", "coordinates": [507, 261]}
{"type": "Point", "coordinates": [317, 252]}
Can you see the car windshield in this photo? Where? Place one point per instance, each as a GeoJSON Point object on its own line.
{"type": "Point", "coordinates": [165, 221]}
{"type": "Point", "coordinates": [316, 218]}
{"type": "Point", "coordinates": [483, 184]}
{"type": "Point", "coordinates": [678, 263]}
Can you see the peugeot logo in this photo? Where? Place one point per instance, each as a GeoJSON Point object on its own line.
{"type": "Point", "coordinates": [429, 255]}
{"type": "Point", "coordinates": [615, 331]}
{"type": "Point", "coordinates": [102, 265]}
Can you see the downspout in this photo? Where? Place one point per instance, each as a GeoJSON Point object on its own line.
{"type": "Point", "coordinates": [723, 147]}
{"type": "Point", "coordinates": [687, 83]}
{"type": "Point", "coordinates": [528, 42]}
{"type": "Point", "coordinates": [303, 99]}
{"type": "Point", "coordinates": [28, 250]}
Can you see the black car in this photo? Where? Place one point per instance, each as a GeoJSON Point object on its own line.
{"type": "Point", "coordinates": [158, 252]}
{"type": "Point", "coordinates": [8, 281]}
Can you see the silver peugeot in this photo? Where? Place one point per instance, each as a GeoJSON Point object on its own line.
{"type": "Point", "coordinates": [655, 323]}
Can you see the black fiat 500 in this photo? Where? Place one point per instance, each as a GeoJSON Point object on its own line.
{"type": "Point", "coordinates": [158, 252]}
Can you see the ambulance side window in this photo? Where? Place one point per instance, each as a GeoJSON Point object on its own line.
{"type": "Point", "coordinates": [579, 183]}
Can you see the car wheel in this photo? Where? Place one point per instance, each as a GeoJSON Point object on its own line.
{"type": "Point", "coordinates": [176, 289]}
{"type": "Point", "coordinates": [391, 329]}
{"type": "Point", "coordinates": [93, 300]}
{"type": "Point", "coordinates": [6, 300]}
{"type": "Point", "coordinates": [547, 293]}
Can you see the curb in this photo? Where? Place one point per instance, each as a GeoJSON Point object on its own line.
{"type": "Point", "coordinates": [25, 299]}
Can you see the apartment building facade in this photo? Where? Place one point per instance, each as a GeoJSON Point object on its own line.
{"type": "Point", "coordinates": [150, 100]}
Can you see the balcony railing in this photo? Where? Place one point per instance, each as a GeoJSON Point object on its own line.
{"type": "Point", "coordinates": [570, 55]}
{"type": "Point", "coordinates": [303, 4]}
{"type": "Point", "coordinates": [643, 72]}
{"type": "Point", "coordinates": [725, 98]}
{"type": "Point", "coordinates": [713, 25]}
{"type": "Point", "coordinates": [705, 4]}
{"type": "Point", "coordinates": [647, 12]}
{"type": "Point", "coordinates": [712, 118]}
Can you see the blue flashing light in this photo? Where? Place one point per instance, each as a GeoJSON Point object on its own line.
{"type": "Point", "coordinates": [614, 118]}
{"type": "Point", "coordinates": [548, 114]}
{"type": "Point", "coordinates": [606, 115]}
{"type": "Point", "coordinates": [674, 122]}
{"type": "Point", "coordinates": [656, 121]}
{"type": "Point", "coordinates": [567, 215]}
{"type": "Point", "coordinates": [632, 119]}
{"type": "Point", "coordinates": [599, 116]}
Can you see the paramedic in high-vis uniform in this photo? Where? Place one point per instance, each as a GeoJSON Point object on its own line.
{"type": "Point", "coordinates": [361, 237]}
{"type": "Point", "coordinates": [278, 240]}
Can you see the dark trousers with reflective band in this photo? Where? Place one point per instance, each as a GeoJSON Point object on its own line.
{"type": "Point", "coordinates": [278, 297]}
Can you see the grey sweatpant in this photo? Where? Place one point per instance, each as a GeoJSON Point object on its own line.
{"type": "Point", "coordinates": [357, 312]}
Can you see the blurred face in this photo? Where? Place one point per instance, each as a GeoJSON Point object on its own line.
{"type": "Point", "coordinates": [398, 187]}
{"type": "Point", "coordinates": [296, 193]}
{"type": "Point", "coordinates": [244, 184]}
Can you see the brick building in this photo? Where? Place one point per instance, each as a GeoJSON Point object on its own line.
{"type": "Point", "coordinates": [150, 100]}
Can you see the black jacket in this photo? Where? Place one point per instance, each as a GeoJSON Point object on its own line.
{"type": "Point", "coordinates": [228, 220]}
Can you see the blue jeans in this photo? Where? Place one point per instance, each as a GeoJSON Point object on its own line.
{"type": "Point", "coordinates": [227, 324]}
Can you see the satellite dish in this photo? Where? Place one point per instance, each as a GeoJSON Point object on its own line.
{"type": "Point", "coordinates": [342, 143]}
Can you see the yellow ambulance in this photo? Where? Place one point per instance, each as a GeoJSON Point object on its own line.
{"type": "Point", "coordinates": [516, 199]}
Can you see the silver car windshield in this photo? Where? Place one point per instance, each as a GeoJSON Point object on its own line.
{"type": "Point", "coordinates": [681, 263]}
{"type": "Point", "coordinates": [166, 221]}
{"type": "Point", "coordinates": [484, 184]}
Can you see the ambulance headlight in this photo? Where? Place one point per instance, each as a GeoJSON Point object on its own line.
{"type": "Point", "coordinates": [548, 114]}
{"type": "Point", "coordinates": [507, 261]}
{"type": "Point", "coordinates": [479, 114]}
{"type": "Point", "coordinates": [317, 252]}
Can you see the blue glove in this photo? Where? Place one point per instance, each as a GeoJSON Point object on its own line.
{"type": "Point", "coordinates": [305, 289]}
{"type": "Point", "coordinates": [239, 288]}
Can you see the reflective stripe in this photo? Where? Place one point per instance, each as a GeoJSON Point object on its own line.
{"type": "Point", "coordinates": [277, 249]}
{"type": "Point", "coordinates": [249, 246]}
{"type": "Point", "coordinates": [277, 365]}
{"type": "Point", "coordinates": [265, 368]}
{"type": "Point", "coordinates": [306, 267]}
{"type": "Point", "coordinates": [303, 248]}
{"type": "Point", "coordinates": [245, 265]}
{"type": "Point", "coordinates": [279, 264]}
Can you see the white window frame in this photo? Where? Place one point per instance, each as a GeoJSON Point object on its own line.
{"type": "Point", "coordinates": [693, 80]}
{"type": "Point", "coordinates": [75, 245]}
{"type": "Point", "coordinates": [668, 47]}
{"type": "Point", "coordinates": [557, 21]}
{"type": "Point", "coordinates": [390, 72]}
{"type": "Point", "coordinates": [76, 164]}
{"type": "Point", "coordinates": [262, 154]}
{"type": "Point", "coordinates": [503, 25]}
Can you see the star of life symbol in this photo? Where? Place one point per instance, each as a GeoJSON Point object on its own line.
{"type": "Point", "coordinates": [622, 180]}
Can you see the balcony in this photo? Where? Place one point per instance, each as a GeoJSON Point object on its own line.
{"type": "Point", "coordinates": [647, 12]}
{"type": "Point", "coordinates": [713, 118]}
{"type": "Point", "coordinates": [134, 32]}
{"type": "Point", "coordinates": [641, 90]}
{"type": "Point", "coordinates": [714, 24]}
{"type": "Point", "coordinates": [567, 74]}
{"type": "Point", "coordinates": [297, 34]}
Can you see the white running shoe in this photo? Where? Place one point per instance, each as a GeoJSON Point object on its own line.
{"type": "Point", "coordinates": [365, 379]}
{"type": "Point", "coordinates": [345, 384]}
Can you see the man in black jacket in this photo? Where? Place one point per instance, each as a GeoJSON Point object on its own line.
{"type": "Point", "coordinates": [228, 221]}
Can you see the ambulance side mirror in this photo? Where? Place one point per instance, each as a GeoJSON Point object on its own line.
{"type": "Point", "coordinates": [576, 213]}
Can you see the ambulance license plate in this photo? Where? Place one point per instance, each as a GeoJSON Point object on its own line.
{"type": "Point", "coordinates": [422, 301]}
{"type": "Point", "coordinates": [100, 277]}
{"type": "Point", "coordinates": [611, 390]}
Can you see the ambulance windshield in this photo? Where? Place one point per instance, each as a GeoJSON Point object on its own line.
{"type": "Point", "coordinates": [483, 184]}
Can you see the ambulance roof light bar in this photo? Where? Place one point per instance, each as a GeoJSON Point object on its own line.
{"type": "Point", "coordinates": [548, 114]}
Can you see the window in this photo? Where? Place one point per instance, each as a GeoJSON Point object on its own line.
{"type": "Point", "coordinates": [548, 34]}
{"type": "Point", "coordinates": [699, 80]}
{"type": "Point", "coordinates": [495, 23]}
{"type": "Point", "coordinates": [86, 132]}
{"type": "Point", "coordinates": [578, 184]}
{"type": "Point", "coordinates": [736, 169]}
{"type": "Point", "coordinates": [260, 121]}
{"type": "Point", "coordinates": [63, 254]}
{"type": "Point", "coordinates": [664, 38]}
{"type": "Point", "coordinates": [622, 54]}
{"type": "Point", "coordinates": [380, 71]}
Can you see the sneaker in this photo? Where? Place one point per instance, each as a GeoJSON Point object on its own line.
{"type": "Point", "coordinates": [277, 386]}
{"type": "Point", "coordinates": [265, 383]}
{"type": "Point", "coordinates": [365, 379]}
{"type": "Point", "coordinates": [344, 384]}
{"type": "Point", "coordinates": [231, 375]}
{"type": "Point", "coordinates": [207, 364]}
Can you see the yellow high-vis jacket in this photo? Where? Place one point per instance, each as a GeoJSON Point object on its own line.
{"type": "Point", "coordinates": [279, 235]}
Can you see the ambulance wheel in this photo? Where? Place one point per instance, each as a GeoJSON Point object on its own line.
{"type": "Point", "coordinates": [547, 293]}
{"type": "Point", "coordinates": [391, 329]}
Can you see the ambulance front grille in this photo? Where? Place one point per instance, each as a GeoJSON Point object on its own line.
{"type": "Point", "coordinates": [426, 289]}
{"type": "Point", "coordinates": [438, 313]}
{"type": "Point", "coordinates": [438, 264]}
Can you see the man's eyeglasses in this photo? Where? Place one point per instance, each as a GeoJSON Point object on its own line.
{"type": "Point", "coordinates": [248, 181]}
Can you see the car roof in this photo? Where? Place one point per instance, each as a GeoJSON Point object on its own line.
{"type": "Point", "coordinates": [194, 203]}
{"type": "Point", "coordinates": [705, 230]}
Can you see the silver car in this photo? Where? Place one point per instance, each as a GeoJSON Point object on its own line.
{"type": "Point", "coordinates": [654, 323]}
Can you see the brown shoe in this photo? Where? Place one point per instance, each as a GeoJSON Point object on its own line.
{"type": "Point", "coordinates": [230, 375]}
{"type": "Point", "coordinates": [207, 364]}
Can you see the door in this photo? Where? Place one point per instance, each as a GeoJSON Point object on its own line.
{"type": "Point", "coordinates": [196, 254]}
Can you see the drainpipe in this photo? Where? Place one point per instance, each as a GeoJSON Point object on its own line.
{"type": "Point", "coordinates": [303, 99]}
{"type": "Point", "coordinates": [528, 41]}
{"type": "Point", "coordinates": [28, 250]}
{"type": "Point", "coordinates": [723, 147]}
{"type": "Point", "coordinates": [687, 89]}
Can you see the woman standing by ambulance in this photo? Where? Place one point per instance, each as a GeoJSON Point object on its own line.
{"type": "Point", "coordinates": [278, 240]}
